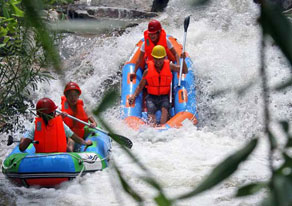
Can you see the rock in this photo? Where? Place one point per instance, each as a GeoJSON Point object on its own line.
{"type": "Point", "coordinates": [95, 12]}
{"type": "Point", "coordinates": [142, 5]}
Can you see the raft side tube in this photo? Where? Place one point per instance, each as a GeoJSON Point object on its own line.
{"type": "Point", "coordinates": [128, 89]}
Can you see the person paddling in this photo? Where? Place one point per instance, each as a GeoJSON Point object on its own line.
{"type": "Point", "coordinates": [49, 130]}
{"type": "Point", "coordinates": [72, 105]}
{"type": "Point", "coordinates": [155, 35]}
{"type": "Point", "coordinates": [158, 77]}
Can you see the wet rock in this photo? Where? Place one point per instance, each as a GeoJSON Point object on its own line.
{"type": "Point", "coordinates": [142, 5]}
{"type": "Point", "coordinates": [95, 12]}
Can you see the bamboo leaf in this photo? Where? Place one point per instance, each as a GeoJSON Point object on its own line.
{"type": "Point", "coordinates": [284, 85]}
{"type": "Point", "coordinates": [223, 170]}
{"type": "Point", "coordinates": [161, 200]}
{"type": "Point", "coordinates": [285, 126]}
{"type": "Point", "coordinates": [127, 188]}
{"type": "Point", "coordinates": [250, 189]}
{"type": "Point", "coordinates": [272, 139]}
{"type": "Point", "coordinates": [17, 11]}
{"type": "Point", "coordinates": [109, 99]}
{"type": "Point", "coordinates": [275, 24]}
{"type": "Point", "coordinates": [282, 187]}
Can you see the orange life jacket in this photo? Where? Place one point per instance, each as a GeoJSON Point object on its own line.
{"type": "Point", "coordinates": [158, 83]}
{"type": "Point", "coordinates": [76, 127]}
{"type": "Point", "coordinates": [162, 41]}
{"type": "Point", "coordinates": [51, 137]}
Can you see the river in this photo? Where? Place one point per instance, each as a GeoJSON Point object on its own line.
{"type": "Point", "coordinates": [223, 41]}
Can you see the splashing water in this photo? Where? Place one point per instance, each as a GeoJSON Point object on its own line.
{"type": "Point", "coordinates": [223, 42]}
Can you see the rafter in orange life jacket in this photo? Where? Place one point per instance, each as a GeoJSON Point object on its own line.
{"type": "Point", "coordinates": [76, 127]}
{"type": "Point", "coordinates": [158, 83]}
{"type": "Point", "coordinates": [162, 41]}
{"type": "Point", "coordinates": [51, 137]}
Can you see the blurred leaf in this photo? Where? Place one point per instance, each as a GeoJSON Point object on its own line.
{"type": "Point", "coordinates": [223, 170]}
{"type": "Point", "coordinates": [161, 200]}
{"type": "Point", "coordinates": [286, 166]}
{"type": "Point", "coordinates": [242, 90]}
{"type": "Point", "coordinates": [5, 10]}
{"type": "Point", "coordinates": [199, 2]}
{"type": "Point", "coordinates": [109, 99]}
{"type": "Point", "coordinates": [272, 139]}
{"type": "Point", "coordinates": [127, 188]}
{"type": "Point", "coordinates": [17, 11]}
{"type": "Point", "coordinates": [289, 142]}
{"type": "Point", "coordinates": [269, 200]}
{"type": "Point", "coordinates": [250, 189]}
{"type": "Point", "coordinates": [282, 188]}
{"type": "Point", "coordinates": [152, 182]}
{"type": "Point", "coordinates": [278, 27]}
{"type": "Point", "coordinates": [285, 126]}
{"type": "Point", "coordinates": [284, 85]}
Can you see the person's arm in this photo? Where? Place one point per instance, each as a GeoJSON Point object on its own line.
{"type": "Point", "coordinates": [172, 50]}
{"type": "Point", "coordinates": [176, 68]}
{"type": "Point", "coordinates": [93, 123]}
{"type": "Point", "coordinates": [139, 61]}
{"type": "Point", "coordinates": [81, 141]}
{"type": "Point", "coordinates": [70, 134]}
{"type": "Point", "coordinates": [91, 119]}
{"type": "Point", "coordinates": [24, 143]}
{"type": "Point", "coordinates": [27, 138]}
{"type": "Point", "coordinates": [175, 54]}
{"type": "Point", "coordinates": [139, 88]}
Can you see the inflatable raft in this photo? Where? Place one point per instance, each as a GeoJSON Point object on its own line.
{"type": "Point", "coordinates": [183, 97]}
{"type": "Point", "coordinates": [50, 169]}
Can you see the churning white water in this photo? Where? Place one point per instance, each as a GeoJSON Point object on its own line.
{"type": "Point", "coordinates": [223, 41]}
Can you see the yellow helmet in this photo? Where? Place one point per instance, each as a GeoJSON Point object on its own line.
{"type": "Point", "coordinates": [158, 52]}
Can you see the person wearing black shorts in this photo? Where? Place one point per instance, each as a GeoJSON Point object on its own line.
{"type": "Point", "coordinates": [158, 77]}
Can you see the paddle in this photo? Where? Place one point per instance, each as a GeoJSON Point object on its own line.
{"type": "Point", "coordinates": [10, 141]}
{"type": "Point", "coordinates": [186, 25]}
{"type": "Point", "coordinates": [119, 138]}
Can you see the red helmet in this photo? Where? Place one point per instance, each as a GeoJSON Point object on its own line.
{"type": "Point", "coordinates": [72, 86]}
{"type": "Point", "coordinates": [45, 105]}
{"type": "Point", "coordinates": [154, 26]}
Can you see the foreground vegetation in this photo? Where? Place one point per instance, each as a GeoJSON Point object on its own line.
{"type": "Point", "coordinates": [21, 68]}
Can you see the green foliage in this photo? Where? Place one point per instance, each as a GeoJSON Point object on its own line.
{"type": "Point", "coordinates": [21, 62]}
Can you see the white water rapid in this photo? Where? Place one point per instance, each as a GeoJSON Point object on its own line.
{"type": "Point", "coordinates": [223, 41]}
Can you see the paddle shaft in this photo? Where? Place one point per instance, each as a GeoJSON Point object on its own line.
{"type": "Point", "coordinates": [85, 123]}
{"type": "Point", "coordinates": [10, 141]}
{"type": "Point", "coordinates": [186, 25]}
{"type": "Point", "coordinates": [127, 142]}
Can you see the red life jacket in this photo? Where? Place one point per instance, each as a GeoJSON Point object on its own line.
{"type": "Point", "coordinates": [158, 83]}
{"type": "Point", "coordinates": [51, 137]}
{"type": "Point", "coordinates": [76, 127]}
{"type": "Point", "coordinates": [162, 41]}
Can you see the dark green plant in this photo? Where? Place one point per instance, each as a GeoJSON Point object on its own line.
{"type": "Point", "coordinates": [21, 63]}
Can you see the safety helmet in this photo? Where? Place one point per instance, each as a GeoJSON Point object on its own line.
{"type": "Point", "coordinates": [158, 52]}
{"type": "Point", "coordinates": [45, 105]}
{"type": "Point", "coordinates": [72, 86]}
{"type": "Point", "coordinates": [154, 26]}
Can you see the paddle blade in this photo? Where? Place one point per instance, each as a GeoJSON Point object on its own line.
{"type": "Point", "coordinates": [10, 140]}
{"type": "Point", "coordinates": [186, 23]}
{"type": "Point", "coordinates": [122, 140]}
